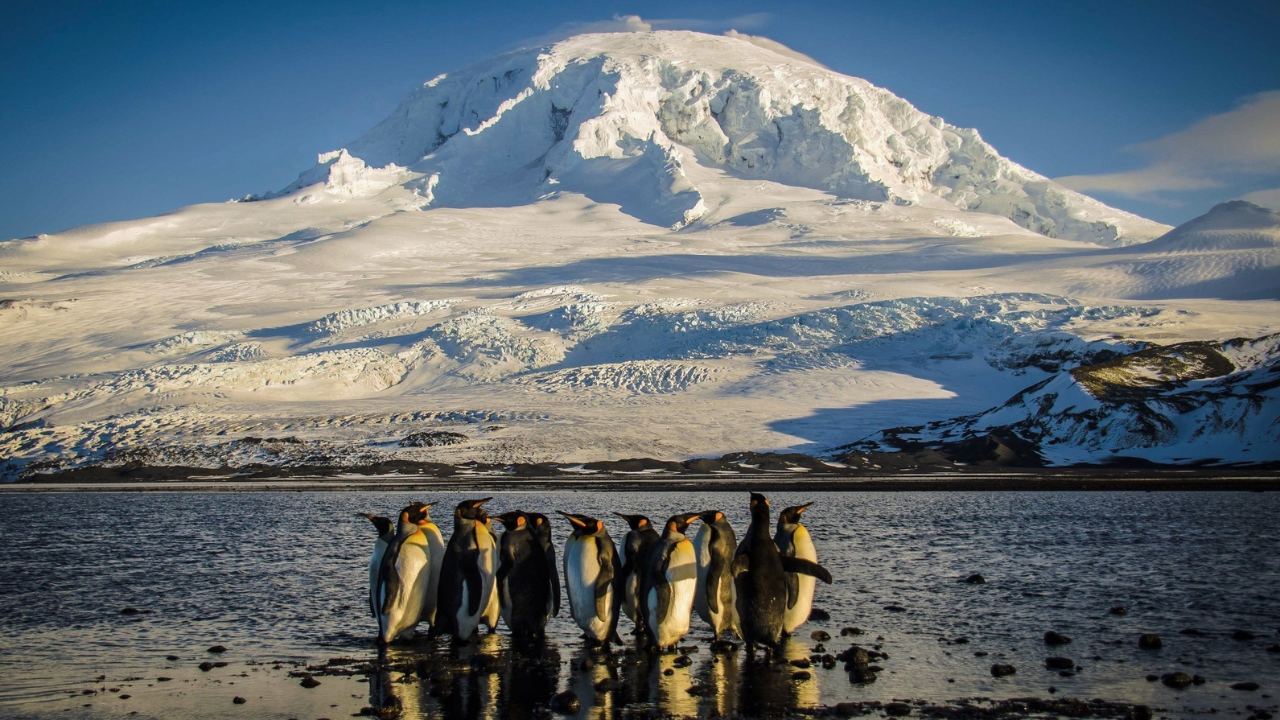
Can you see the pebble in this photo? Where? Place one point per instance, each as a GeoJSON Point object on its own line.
{"type": "Point", "coordinates": [171, 658]}
{"type": "Point", "coordinates": [1059, 663]}
{"type": "Point", "coordinates": [607, 685]}
{"type": "Point", "coordinates": [897, 709]}
{"type": "Point", "coordinates": [1053, 638]}
{"type": "Point", "coordinates": [846, 632]}
{"type": "Point", "coordinates": [1153, 677]}
{"type": "Point", "coordinates": [861, 675]}
{"type": "Point", "coordinates": [999, 670]}
{"type": "Point", "coordinates": [1243, 635]}
{"type": "Point", "coordinates": [1176, 680]}
{"type": "Point", "coordinates": [217, 649]}
{"type": "Point", "coordinates": [1118, 610]}
{"type": "Point", "coordinates": [309, 682]}
{"type": "Point", "coordinates": [1245, 686]}
{"type": "Point", "coordinates": [682, 661]}
{"type": "Point", "coordinates": [238, 700]}
{"type": "Point", "coordinates": [801, 675]}
{"type": "Point", "coordinates": [129, 611]}
{"type": "Point", "coordinates": [820, 635]}
{"type": "Point", "coordinates": [1273, 649]}
{"type": "Point", "coordinates": [802, 662]}
{"type": "Point", "coordinates": [819, 614]}
{"type": "Point", "coordinates": [1192, 632]}
{"type": "Point", "coordinates": [975, 579]}
{"type": "Point", "coordinates": [895, 608]}
{"type": "Point", "coordinates": [1150, 641]}
{"type": "Point", "coordinates": [205, 666]}
{"type": "Point", "coordinates": [566, 703]}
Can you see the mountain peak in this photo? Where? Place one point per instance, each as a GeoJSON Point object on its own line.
{"type": "Point", "coordinates": [630, 118]}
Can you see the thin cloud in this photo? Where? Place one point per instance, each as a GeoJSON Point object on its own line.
{"type": "Point", "coordinates": [635, 23]}
{"type": "Point", "coordinates": [1265, 198]}
{"type": "Point", "coordinates": [773, 45]}
{"type": "Point", "coordinates": [1243, 141]}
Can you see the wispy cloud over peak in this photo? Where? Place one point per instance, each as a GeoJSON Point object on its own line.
{"type": "Point", "coordinates": [1242, 141]}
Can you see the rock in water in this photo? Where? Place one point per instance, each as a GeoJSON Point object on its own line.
{"type": "Point", "coordinates": [1150, 641]}
{"type": "Point", "coordinates": [1177, 680]}
{"type": "Point", "coordinates": [1059, 663]}
{"type": "Point", "coordinates": [975, 579]}
{"type": "Point", "coordinates": [1053, 638]}
{"type": "Point", "coordinates": [1245, 686]}
{"type": "Point", "coordinates": [999, 670]}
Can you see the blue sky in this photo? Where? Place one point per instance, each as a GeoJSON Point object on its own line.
{"type": "Point", "coordinates": [122, 110]}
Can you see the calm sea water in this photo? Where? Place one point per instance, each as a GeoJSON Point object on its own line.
{"type": "Point", "coordinates": [278, 577]}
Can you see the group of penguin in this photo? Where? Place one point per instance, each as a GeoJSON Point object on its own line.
{"type": "Point", "coordinates": [759, 590]}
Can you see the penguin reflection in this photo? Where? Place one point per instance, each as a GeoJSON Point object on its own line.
{"type": "Point", "coordinates": [528, 680]}
{"type": "Point", "coordinates": [591, 668]}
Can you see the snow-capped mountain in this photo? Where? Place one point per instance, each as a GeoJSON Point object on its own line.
{"type": "Point", "coordinates": [660, 244]}
{"type": "Point", "coordinates": [620, 117]}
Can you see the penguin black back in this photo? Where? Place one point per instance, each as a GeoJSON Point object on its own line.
{"type": "Point", "coordinates": [460, 577]}
{"type": "Point", "coordinates": [524, 584]}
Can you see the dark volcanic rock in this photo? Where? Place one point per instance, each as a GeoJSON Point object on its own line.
{"type": "Point", "coordinates": [217, 649]}
{"type": "Point", "coordinates": [1150, 641]}
{"type": "Point", "coordinates": [1118, 610]}
{"type": "Point", "coordinates": [682, 661]}
{"type": "Point", "coordinates": [999, 670]}
{"type": "Point", "coordinates": [1053, 638]}
{"type": "Point", "coordinates": [801, 675]}
{"type": "Point", "coordinates": [820, 635]}
{"type": "Point", "coordinates": [309, 682]}
{"type": "Point", "coordinates": [1244, 686]}
{"type": "Point", "coordinates": [897, 709]}
{"type": "Point", "coordinates": [1152, 677]}
{"type": "Point", "coordinates": [566, 703]}
{"type": "Point", "coordinates": [1177, 680]}
{"type": "Point", "coordinates": [1243, 635]}
{"type": "Point", "coordinates": [861, 675]}
{"type": "Point", "coordinates": [1059, 663]}
{"type": "Point", "coordinates": [1198, 679]}
{"type": "Point", "coordinates": [975, 579]}
{"type": "Point", "coordinates": [607, 685]}
{"type": "Point", "coordinates": [846, 632]}
{"type": "Point", "coordinates": [433, 438]}
{"type": "Point", "coordinates": [238, 700]}
{"type": "Point", "coordinates": [205, 666]}
{"type": "Point", "coordinates": [1273, 648]}
{"type": "Point", "coordinates": [1192, 632]}
{"type": "Point", "coordinates": [819, 615]}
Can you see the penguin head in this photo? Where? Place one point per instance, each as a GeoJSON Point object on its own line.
{"type": "Point", "coordinates": [635, 522]}
{"type": "Point", "coordinates": [471, 510]}
{"type": "Point", "coordinates": [759, 507]}
{"type": "Point", "coordinates": [583, 524]}
{"type": "Point", "coordinates": [711, 517]}
{"type": "Point", "coordinates": [680, 523]}
{"type": "Point", "coordinates": [541, 525]}
{"type": "Point", "coordinates": [419, 513]}
{"type": "Point", "coordinates": [513, 520]}
{"type": "Point", "coordinates": [383, 524]}
{"type": "Point", "coordinates": [791, 515]}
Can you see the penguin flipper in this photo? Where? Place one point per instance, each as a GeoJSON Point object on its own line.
{"type": "Point", "coordinates": [806, 567]}
{"type": "Point", "coordinates": [793, 589]}
{"type": "Point", "coordinates": [554, 572]}
{"type": "Point", "coordinates": [714, 572]}
{"type": "Point", "coordinates": [608, 561]}
{"type": "Point", "coordinates": [741, 564]}
{"type": "Point", "coordinates": [388, 578]}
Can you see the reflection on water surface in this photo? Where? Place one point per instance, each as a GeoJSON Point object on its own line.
{"type": "Point", "coordinates": [279, 579]}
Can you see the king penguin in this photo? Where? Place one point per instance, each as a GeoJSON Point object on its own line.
{"type": "Point", "coordinates": [542, 530]}
{"type": "Point", "coordinates": [760, 580]}
{"type": "Point", "coordinates": [635, 547]}
{"type": "Point", "coordinates": [714, 547]}
{"type": "Point", "coordinates": [404, 576]}
{"type": "Point", "coordinates": [670, 582]}
{"type": "Point", "coordinates": [524, 586]}
{"type": "Point", "coordinates": [592, 575]}
{"type": "Point", "coordinates": [386, 533]}
{"type": "Point", "coordinates": [466, 578]}
{"type": "Point", "coordinates": [793, 540]}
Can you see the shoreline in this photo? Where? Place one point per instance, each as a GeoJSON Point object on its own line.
{"type": "Point", "coordinates": [1135, 480]}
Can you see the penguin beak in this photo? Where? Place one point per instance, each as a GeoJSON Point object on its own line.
{"type": "Point", "coordinates": [474, 503]}
{"type": "Point", "coordinates": [681, 522]}
{"type": "Point", "coordinates": [577, 523]}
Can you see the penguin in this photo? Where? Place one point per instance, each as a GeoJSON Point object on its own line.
{"type": "Point", "coordinates": [542, 530]}
{"type": "Point", "coordinates": [492, 606]}
{"type": "Point", "coordinates": [404, 576]}
{"type": "Point", "coordinates": [435, 548]}
{"type": "Point", "coordinates": [466, 575]}
{"type": "Point", "coordinates": [760, 581]}
{"type": "Point", "coordinates": [714, 547]}
{"type": "Point", "coordinates": [524, 585]}
{"type": "Point", "coordinates": [635, 546]}
{"type": "Point", "coordinates": [592, 575]}
{"type": "Point", "coordinates": [386, 533]}
{"type": "Point", "coordinates": [793, 540]}
{"type": "Point", "coordinates": [670, 582]}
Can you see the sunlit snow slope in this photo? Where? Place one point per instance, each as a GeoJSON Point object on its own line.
{"type": "Point", "coordinates": [638, 244]}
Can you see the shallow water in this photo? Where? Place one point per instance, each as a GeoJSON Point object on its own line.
{"type": "Point", "coordinates": [279, 577]}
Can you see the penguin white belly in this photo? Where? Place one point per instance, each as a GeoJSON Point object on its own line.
{"type": "Point", "coordinates": [581, 569]}
{"type": "Point", "coordinates": [798, 614]}
{"type": "Point", "coordinates": [682, 577]}
{"type": "Point", "coordinates": [488, 573]}
{"type": "Point", "coordinates": [412, 567]}
{"type": "Point", "coordinates": [702, 552]}
{"type": "Point", "coordinates": [435, 550]}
